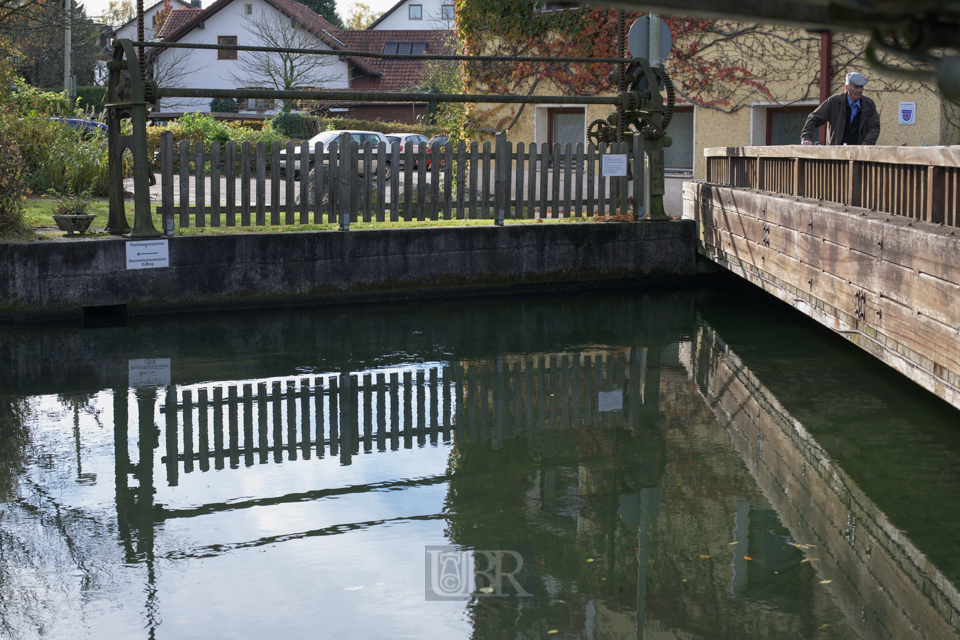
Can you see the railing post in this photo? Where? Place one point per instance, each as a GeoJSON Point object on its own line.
{"type": "Point", "coordinates": [936, 194]}
{"type": "Point", "coordinates": [854, 195]}
{"type": "Point", "coordinates": [798, 169]}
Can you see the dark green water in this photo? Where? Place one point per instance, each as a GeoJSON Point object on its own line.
{"type": "Point", "coordinates": [699, 464]}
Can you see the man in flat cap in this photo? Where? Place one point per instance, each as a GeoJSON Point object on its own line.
{"type": "Point", "coordinates": [850, 117]}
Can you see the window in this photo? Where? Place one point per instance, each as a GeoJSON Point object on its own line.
{"type": "Point", "coordinates": [447, 12]}
{"type": "Point", "coordinates": [419, 48]}
{"type": "Point", "coordinates": [784, 124]}
{"type": "Point", "coordinates": [565, 125]}
{"type": "Point", "coordinates": [390, 47]}
{"type": "Point", "coordinates": [248, 9]}
{"type": "Point", "coordinates": [405, 48]}
{"type": "Point", "coordinates": [226, 55]}
{"type": "Point", "coordinates": [679, 155]}
{"type": "Point", "coordinates": [416, 12]}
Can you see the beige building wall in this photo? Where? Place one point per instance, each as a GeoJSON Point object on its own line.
{"type": "Point", "coordinates": [738, 119]}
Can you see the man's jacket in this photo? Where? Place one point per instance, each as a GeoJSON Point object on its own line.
{"type": "Point", "coordinates": [833, 113]}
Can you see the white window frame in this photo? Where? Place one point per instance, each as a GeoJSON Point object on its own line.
{"type": "Point", "coordinates": [248, 9]}
{"type": "Point", "coordinates": [419, 11]}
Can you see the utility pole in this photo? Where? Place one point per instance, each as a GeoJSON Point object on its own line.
{"type": "Point", "coordinates": [68, 52]}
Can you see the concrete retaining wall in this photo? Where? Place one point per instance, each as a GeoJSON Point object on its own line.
{"type": "Point", "coordinates": [57, 280]}
{"type": "Point", "coordinates": [887, 283]}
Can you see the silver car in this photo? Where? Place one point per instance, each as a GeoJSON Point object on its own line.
{"type": "Point", "coordinates": [326, 137]}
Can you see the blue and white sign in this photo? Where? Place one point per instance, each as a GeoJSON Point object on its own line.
{"type": "Point", "coordinates": [907, 113]}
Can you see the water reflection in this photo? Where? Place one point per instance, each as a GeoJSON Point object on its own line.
{"type": "Point", "coordinates": [286, 464]}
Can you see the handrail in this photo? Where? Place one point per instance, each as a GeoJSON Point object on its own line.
{"type": "Point", "coordinates": [922, 183]}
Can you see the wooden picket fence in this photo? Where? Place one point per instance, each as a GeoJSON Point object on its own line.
{"type": "Point", "coordinates": [237, 185]}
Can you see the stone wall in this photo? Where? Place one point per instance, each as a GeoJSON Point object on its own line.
{"type": "Point", "coordinates": [54, 280]}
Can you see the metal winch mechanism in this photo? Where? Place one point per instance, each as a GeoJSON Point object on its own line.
{"type": "Point", "coordinates": [642, 110]}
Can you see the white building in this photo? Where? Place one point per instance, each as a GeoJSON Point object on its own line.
{"type": "Point", "coordinates": [417, 15]}
{"type": "Point", "coordinates": [129, 29]}
{"type": "Point", "coordinates": [233, 22]}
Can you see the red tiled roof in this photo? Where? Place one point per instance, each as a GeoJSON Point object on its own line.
{"type": "Point", "coordinates": [397, 75]}
{"type": "Point", "coordinates": [367, 73]}
{"type": "Point", "coordinates": [177, 19]}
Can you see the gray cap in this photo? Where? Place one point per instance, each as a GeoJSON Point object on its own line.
{"type": "Point", "coordinates": [856, 78]}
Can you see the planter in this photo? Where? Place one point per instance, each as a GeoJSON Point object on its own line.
{"type": "Point", "coordinates": [71, 223]}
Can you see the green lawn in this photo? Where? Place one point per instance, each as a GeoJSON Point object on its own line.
{"type": "Point", "coordinates": [38, 213]}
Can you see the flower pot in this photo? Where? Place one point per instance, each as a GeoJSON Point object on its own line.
{"type": "Point", "coordinates": [71, 223]}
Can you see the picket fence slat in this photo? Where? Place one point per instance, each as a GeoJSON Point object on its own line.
{"type": "Point", "coordinates": [381, 180]}
{"type": "Point", "coordinates": [289, 158]}
{"type": "Point", "coordinates": [461, 177]}
{"type": "Point", "coordinates": [166, 176]}
{"type": "Point", "coordinates": [395, 183]}
{"type": "Point", "coordinates": [199, 182]}
{"type": "Point", "coordinates": [261, 184]}
{"type": "Point", "coordinates": [544, 177]}
{"type": "Point", "coordinates": [518, 187]}
{"type": "Point", "coordinates": [215, 183]}
{"type": "Point", "coordinates": [305, 183]}
{"type": "Point", "coordinates": [230, 165]}
{"type": "Point", "coordinates": [448, 179]}
{"type": "Point", "coordinates": [434, 178]}
{"type": "Point", "coordinates": [367, 178]}
{"type": "Point", "coordinates": [184, 148]}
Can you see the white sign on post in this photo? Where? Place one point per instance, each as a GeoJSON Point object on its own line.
{"type": "Point", "coordinates": [907, 113]}
{"type": "Point", "coordinates": [149, 372]}
{"type": "Point", "coordinates": [614, 166]}
{"type": "Point", "coordinates": [610, 400]}
{"type": "Point", "coordinates": [148, 254]}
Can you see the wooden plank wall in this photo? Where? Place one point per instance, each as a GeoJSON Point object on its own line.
{"type": "Point", "coordinates": [888, 283]}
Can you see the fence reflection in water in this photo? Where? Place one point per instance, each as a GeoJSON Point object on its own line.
{"type": "Point", "coordinates": [336, 414]}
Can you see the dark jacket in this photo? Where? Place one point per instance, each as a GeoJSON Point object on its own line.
{"type": "Point", "coordinates": [833, 113]}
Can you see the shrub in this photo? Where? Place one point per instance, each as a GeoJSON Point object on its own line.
{"type": "Point", "coordinates": [289, 124]}
{"type": "Point", "coordinates": [62, 159]}
{"type": "Point", "coordinates": [91, 99]}
{"type": "Point", "coordinates": [13, 184]}
{"type": "Point", "coordinates": [224, 105]}
{"type": "Point", "coordinates": [202, 126]}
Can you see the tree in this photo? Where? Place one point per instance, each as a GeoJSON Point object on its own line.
{"type": "Point", "coordinates": [118, 13]}
{"type": "Point", "coordinates": [161, 16]}
{"type": "Point", "coordinates": [38, 34]}
{"type": "Point", "coordinates": [360, 16]}
{"type": "Point", "coordinates": [327, 9]}
{"type": "Point", "coordinates": [285, 70]}
{"type": "Point", "coordinates": [11, 8]}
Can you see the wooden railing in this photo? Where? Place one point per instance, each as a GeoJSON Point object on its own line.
{"type": "Point", "coordinates": [240, 185]}
{"type": "Point", "coordinates": [922, 183]}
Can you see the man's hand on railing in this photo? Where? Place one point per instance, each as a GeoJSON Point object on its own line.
{"type": "Point", "coordinates": [806, 142]}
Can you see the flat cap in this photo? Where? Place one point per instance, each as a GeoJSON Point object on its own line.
{"type": "Point", "coordinates": [856, 78]}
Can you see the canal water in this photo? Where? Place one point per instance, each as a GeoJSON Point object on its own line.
{"type": "Point", "coordinates": [644, 465]}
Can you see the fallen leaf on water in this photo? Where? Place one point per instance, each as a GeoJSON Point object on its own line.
{"type": "Point", "coordinates": [703, 556]}
{"type": "Point", "coordinates": [823, 626]}
{"type": "Point", "coordinates": [352, 588]}
{"type": "Point", "coordinates": [826, 581]}
{"type": "Point", "coordinates": [589, 559]}
{"type": "Point", "coordinates": [603, 579]}
{"type": "Point", "coordinates": [485, 590]}
{"type": "Point", "coordinates": [747, 558]}
{"type": "Point", "coordinates": [730, 544]}
{"type": "Point", "coordinates": [683, 580]}
{"type": "Point", "coordinates": [634, 548]}
{"type": "Point", "coordinates": [810, 560]}
{"type": "Point", "coordinates": [552, 631]}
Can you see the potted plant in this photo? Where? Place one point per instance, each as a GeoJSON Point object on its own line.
{"type": "Point", "coordinates": [70, 213]}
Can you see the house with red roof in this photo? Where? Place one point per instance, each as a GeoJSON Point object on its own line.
{"type": "Point", "coordinates": [289, 24]}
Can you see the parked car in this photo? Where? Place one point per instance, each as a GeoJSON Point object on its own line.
{"type": "Point", "coordinates": [414, 140]}
{"type": "Point", "coordinates": [440, 140]}
{"type": "Point", "coordinates": [327, 137]}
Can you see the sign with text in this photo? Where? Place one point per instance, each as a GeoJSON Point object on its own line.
{"type": "Point", "coordinates": [149, 372]}
{"type": "Point", "coordinates": [148, 254]}
{"type": "Point", "coordinates": [907, 113]}
{"type": "Point", "coordinates": [614, 166]}
{"type": "Point", "coordinates": [610, 400]}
